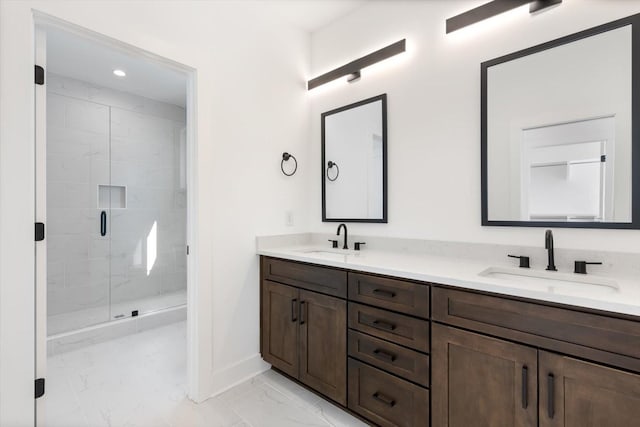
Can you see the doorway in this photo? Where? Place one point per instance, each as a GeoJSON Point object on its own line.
{"type": "Point", "coordinates": [114, 189]}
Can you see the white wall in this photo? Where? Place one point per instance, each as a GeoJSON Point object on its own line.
{"type": "Point", "coordinates": [251, 106]}
{"type": "Point", "coordinates": [434, 111]}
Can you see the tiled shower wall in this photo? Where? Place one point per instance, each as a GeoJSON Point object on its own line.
{"type": "Point", "coordinates": [97, 136]}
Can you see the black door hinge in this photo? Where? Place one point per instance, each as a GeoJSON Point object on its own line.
{"type": "Point", "coordinates": [39, 75]}
{"type": "Point", "coordinates": [39, 231]}
{"type": "Point", "coordinates": [39, 387]}
{"type": "Point", "coordinates": [187, 249]}
{"type": "Point", "coordinates": [603, 158]}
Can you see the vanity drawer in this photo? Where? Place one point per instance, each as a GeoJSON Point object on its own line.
{"type": "Point", "coordinates": [584, 334]}
{"type": "Point", "coordinates": [384, 399]}
{"type": "Point", "coordinates": [400, 361]}
{"type": "Point", "coordinates": [398, 328]}
{"type": "Point", "coordinates": [397, 295]}
{"type": "Point", "coordinates": [325, 280]}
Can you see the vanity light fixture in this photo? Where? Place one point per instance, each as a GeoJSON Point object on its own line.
{"type": "Point", "coordinates": [353, 77]}
{"type": "Point", "coordinates": [494, 8]}
{"type": "Point", "coordinates": [352, 69]}
{"type": "Point", "coordinates": [119, 73]}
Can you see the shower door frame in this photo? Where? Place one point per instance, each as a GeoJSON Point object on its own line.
{"type": "Point", "coordinates": [196, 390]}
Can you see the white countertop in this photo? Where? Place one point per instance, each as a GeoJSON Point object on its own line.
{"type": "Point", "coordinates": [464, 273]}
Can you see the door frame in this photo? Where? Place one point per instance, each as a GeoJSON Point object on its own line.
{"type": "Point", "coordinates": [41, 22]}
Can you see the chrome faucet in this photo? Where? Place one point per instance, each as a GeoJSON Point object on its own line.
{"type": "Point", "coordinates": [344, 246]}
{"type": "Point", "coordinates": [548, 245]}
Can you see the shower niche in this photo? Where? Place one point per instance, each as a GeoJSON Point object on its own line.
{"type": "Point", "coordinates": [116, 205]}
{"type": "Point", "coordinates": [112, 197]}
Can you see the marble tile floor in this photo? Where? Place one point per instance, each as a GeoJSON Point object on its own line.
{"type": "Point", "coordinates": [140, 381]}
{"type": "Point", "coordinates": [64, 322]}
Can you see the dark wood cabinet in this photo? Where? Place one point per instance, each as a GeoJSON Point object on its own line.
{"type": "Point", "coordinates": [367, 342]}
{"type": "Point", "coordinates": [280, 330]}
{"type": "Point", "coordinates": [399, 328]}
{"type": "Point", "coordinates": [388, 368]}
{"type": "Point", "coordinates": [592, 335]}
{"type": "Point", "coordinates": [392, 294]}
{"type": "Point", "coordinates": [401, 361]}
{"type": "Point", "coordinates": [482, 381]}
{"type": "Point", "coordinates": [304, 335]}
{"type": "Point", "coordinates": [574, 393]}
{"type": "Point", "coordinates": [325, 280]}
{"type": "Point", "coordinates": [323, 344]}
{"type": "Point", "coordinates": [386, 400]}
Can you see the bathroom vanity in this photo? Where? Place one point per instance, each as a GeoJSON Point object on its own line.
{"type": "Point", "coordinates": [404, 352]}
{"type": "Point", "coordinates": [418, 337]}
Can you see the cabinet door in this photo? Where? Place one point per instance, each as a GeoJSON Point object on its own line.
{"type": "Point", "coordinates": [481, 381]}
{"type": "Point", "coordinates": [280, 326]}
{"type": "Point", "coordinates": [323, 344]}
{"type": "Point", "coordinates": [574, 393]}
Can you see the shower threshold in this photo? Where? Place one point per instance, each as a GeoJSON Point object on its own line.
{"type": "Point", "coordinates": [67, 331]}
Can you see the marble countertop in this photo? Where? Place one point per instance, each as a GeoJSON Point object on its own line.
{"type": "Point", "coordinates": [619, 295]}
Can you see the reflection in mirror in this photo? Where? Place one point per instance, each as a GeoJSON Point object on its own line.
{"type": "Point", "coordinates": [354, 162]}
{"type": "Point", "coordinates": [557, 132]}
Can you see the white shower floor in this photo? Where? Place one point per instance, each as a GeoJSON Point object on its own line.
{"type": "Point", "coordinates": [79, 319]}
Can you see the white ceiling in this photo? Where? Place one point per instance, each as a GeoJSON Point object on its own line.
{"type": "Point", "coordinates": [91, 61]}
{"type": "Point", "coordinates": [80, 58]}
{"type": "Point", "coordinates": [309, 15]}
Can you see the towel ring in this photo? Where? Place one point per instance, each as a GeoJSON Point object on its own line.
{"type": "Point", "coordinates": [330, 165]}
{"type": "Point", "coordinates": [285, 158]}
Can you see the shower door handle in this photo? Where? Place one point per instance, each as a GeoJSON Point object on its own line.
{"type": "Point", "coordinates": [103, 223]}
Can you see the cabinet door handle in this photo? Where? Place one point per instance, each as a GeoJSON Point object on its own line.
{"type": "Point", "coordinates": [103, 223]}
{"type": "Point", "coordinates": [384, 399]}
{"type": "Point", "coordinates": [381, 354]}
{"type": "Point", "coordinates": [294, 318]}
{"type": "Point", "coordinates": [384, 293]}
{"type": "Point", "coordinates": [303, 312]}
{"type": "Point", "coordinates": [525, 387]}
{"type": "Point", "coordinates": [381, 324]}
{"type": "Point", "coordinates": [551, 410]}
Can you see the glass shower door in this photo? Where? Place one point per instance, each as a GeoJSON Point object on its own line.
{"type": "Point", "coordinates": [116, 211]}
{"type": "Point", "coordinates": [78, 246]}
{"type": "Point", "coordinates": [148, 211]}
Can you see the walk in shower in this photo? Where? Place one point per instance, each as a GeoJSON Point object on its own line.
{"type": "Point", "coordinates": [116, 205]}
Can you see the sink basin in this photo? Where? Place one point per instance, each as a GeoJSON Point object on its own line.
{"type": "Point", "coordinates": [553, 282]}
{"type": "Point", "coordinates": [337, 254]}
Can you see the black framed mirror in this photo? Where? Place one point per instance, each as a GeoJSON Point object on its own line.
{"type": "Point", "coordinates": [560, 132]}
{"type": "Point", "coordinates": [354, 162]}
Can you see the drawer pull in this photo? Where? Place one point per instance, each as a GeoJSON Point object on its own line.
{"type": "Point", "coordinates": [551, 410]}
{"type": "Point", "coordinates": [303, 312]}
{"type": "Point", "coordinates": [384, 293]}
{"type": "Point", "coordinates": [384, 399]}
{"type": "Point", "coordinates": [381, 354]}
{"type": "Point", "coordinates": [294, 311]}
{"type": "Point", "coordinates": [381, 324]}
{"type": "Point", "coordinates": [525, 387]}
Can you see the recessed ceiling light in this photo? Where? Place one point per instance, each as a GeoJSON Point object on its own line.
{"type": "Point", "coordinates": [119, 73]}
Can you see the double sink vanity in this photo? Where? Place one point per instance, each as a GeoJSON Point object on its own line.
{"type": "Point", "coordinates": [410, 338]}
{"type": "Point", "coordinates": [419, 333]}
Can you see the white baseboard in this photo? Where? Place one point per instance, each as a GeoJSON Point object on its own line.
{"type": "Point", "coordinates": [238, 373]}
